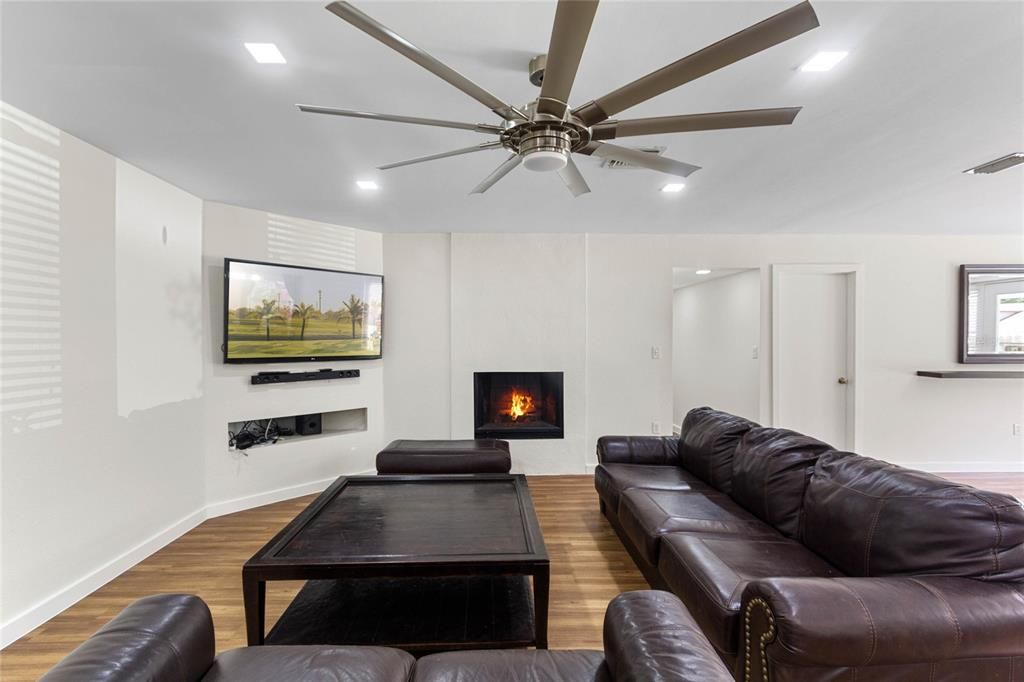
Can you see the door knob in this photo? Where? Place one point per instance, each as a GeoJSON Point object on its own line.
{"type": "Point", "coordinates": [843, 380]}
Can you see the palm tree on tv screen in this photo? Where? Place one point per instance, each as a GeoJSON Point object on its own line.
{"type": "Point", "coordinates": [304, 311]}
{"type": "Point", "coordinates": [266, 312]}
{"type": "Point", "coordinates": [356, 310]}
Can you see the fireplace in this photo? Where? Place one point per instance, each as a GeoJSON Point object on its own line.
{"type": "Point", "coordinates": [517, 405]}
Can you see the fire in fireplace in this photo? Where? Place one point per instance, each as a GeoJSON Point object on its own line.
{"type": "Point", "coordinates": [517, 405]}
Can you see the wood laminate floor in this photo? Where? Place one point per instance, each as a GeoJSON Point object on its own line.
{"type": "Point", "coordinates": [588, 568]}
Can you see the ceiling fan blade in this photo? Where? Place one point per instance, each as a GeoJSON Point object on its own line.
{"type": "Point", "coordinates": [688, 123]}
{"type": "Point", "coordinates": [772, 31]}
{"type": "Point", "coordinates": [639, 158]}
{"type": "Point", "coordinates": [573, 179]}
{"type": "Point", "coordinates": [498, 173]}
{"type": "Point", "coordinates": [573, 19]}
{"type": "Point", "coordinates": [478, 127]}
{"type": "Point", "coordinates": [443, 155]}
{"type": "Point", "coordinates": [379, 31]}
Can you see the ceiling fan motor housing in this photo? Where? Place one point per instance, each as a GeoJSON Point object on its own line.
{"type": "Point", "coordinates": [537, 66]}
{"type": "Point", "coordinates": [545, 149]}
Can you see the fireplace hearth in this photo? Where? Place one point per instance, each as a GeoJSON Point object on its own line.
{"type": "Point", "coordinates": [514, 405]}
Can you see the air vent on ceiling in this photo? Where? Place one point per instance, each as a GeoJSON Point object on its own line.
{"type": "Point", "coordinates": [614, 164]}
{"type": "Point", "coordinates": [1000, 164]}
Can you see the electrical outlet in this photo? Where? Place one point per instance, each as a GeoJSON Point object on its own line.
{"type": "Point", "coordinates": [655, 428]}
{"type": "Point", "coordinates": [753, 353]}
{"type": "Point", "coordinates": [655, 352]}
{"type": "Point", "coordinates": [1016, 429]}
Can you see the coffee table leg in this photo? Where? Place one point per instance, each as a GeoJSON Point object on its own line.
{"type": "Point", "coordinates": [541, 596]}
{"type": "Point", "coordinates": [254, 595]}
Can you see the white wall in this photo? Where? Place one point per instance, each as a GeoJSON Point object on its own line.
{"type": "Point", "coordinates": [237, 480]}
{"type": "Point", "coordinates": [910, 322]}
{"type": "Point", "coordinates": [519, 304]}
{"type": "Point", "coordinates": [84, 489]}
{"type": "Point", "coordinates": [716, 325]}
{"type": "Point", "coordinates": [462, 303]}
{"type": "Point", "coordinates": [417, 336]}
{"type": "Point", "coordinates": [114, 399]}
{"type": "Point", "coordinates": [159, 246]}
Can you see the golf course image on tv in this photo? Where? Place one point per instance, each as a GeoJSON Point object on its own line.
{"type": "Point", "coordinates": [284, 313]}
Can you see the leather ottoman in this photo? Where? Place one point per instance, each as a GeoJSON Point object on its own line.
{"type": "Point", "coordinates": [484, 456]}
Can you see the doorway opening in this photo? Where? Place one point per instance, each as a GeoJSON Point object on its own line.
{"type": "Point", "coordinates": [716, 341]}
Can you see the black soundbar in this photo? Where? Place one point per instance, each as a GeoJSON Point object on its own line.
{"type": "Point", "coordinates": [289, 377]}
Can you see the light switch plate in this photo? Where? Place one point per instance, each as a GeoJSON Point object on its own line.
{"type": "Point", "coordinates": [655, 352]}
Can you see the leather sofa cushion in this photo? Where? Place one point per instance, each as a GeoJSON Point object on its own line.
{"type": "Point", "coordinates": [660, 450]}
{"type": "Point", "coordinates": [161, 638]}
{"type": "Point", "coordinates": [650, 637]}
{"type": "Point", "coordinates": [709, 573]}
{"type": "Point", "coordinates": [333, 663]}
{"type": "Point", "coordinates": [611, 479]}
{"type": "Point", "coordinates": [481, 456]}
{"type": "Point", "coordinates": [707, 444]}
{"type": "Point", "coordinates": [770, 470]}
{"type": "Point", "coordinates": [513, 666]}
{"type": "Point", "coordinates": [871, 518]}
{"type": "Point", "coordinates": [646, 515]}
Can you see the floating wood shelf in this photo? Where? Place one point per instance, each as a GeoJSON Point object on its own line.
{"type": "Point", "coordinates": [969, 374]}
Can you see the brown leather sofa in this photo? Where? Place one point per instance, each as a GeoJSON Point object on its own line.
{"type": "Point", "coordinates": [803, 563]}
{"type": "Point", "coordinates": [648, 637]}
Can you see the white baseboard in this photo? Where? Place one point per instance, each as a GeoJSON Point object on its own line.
{"type": "Point", "coordinates": [271, 496]}
{"type": "Point", "coordinates": [36, 615]}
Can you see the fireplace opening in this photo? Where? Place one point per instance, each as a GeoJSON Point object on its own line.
{"type": "Point", "coordinates": [517, 405]}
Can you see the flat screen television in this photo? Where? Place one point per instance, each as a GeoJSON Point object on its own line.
{"type": "Point", "coordinates": [288, 313]}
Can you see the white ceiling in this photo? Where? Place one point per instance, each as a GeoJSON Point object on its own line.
{"type": "Point", "coordinates": [928, 90]}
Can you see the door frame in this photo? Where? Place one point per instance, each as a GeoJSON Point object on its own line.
{"type": "Point", "coordinates": [854, 329]}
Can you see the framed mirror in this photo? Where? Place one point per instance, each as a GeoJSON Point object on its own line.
{"type": "Point", "coordinates": [991, 313]}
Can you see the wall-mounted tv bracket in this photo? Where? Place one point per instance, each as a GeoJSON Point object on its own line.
{"type": "Point", "coordinates": [289, 377]}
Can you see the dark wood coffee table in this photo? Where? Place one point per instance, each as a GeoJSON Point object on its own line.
{"type": "Point", "coordinates": [427, 563]}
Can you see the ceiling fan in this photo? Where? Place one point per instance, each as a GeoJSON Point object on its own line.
{"type": "Point", "coordinates": [545, 133]}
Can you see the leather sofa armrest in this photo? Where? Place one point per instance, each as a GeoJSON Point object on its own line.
{"type": "Point", "coordinates": [659, 450]}
{"type": "Point", "coordinates": [649, 636]}
{"type": "Point", "coordinates": [163, 637]}
{"type": "Point", "coordinates": [851, 622]}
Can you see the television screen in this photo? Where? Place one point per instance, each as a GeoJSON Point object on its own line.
{"type": "Point", "coordinates": [286, 313]}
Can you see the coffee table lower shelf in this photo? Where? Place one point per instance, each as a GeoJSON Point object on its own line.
{"type": "Point", "coordinates": [419, 615]}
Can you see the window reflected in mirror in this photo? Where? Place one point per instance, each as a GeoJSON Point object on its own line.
{"type": "Point", "coordinates": [992, 318]}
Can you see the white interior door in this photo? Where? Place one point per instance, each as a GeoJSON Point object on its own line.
{"type": "Point", "coordinates": [812, 348]}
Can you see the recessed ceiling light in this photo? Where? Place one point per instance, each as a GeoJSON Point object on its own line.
{"type": "Point", "coordinates": [823, 61]}
{"type": "Point", "coordinates": [367, 184]}
{"type": "Point", "coordinates": [673, 187]}
{"type": "Point", "coordinates": [265, 53]}
{"type": "Point", "coordinates": [702, 272]}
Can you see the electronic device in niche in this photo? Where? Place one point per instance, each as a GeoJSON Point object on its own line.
{"type": "Point", "coordinates": [308, 424]}
{"type": "Point", "coordinates": [288, 377]}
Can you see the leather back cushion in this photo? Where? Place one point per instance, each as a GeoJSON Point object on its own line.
{"type": "Point", "coordinates": [707, 444]}
{"type": "Point", "coordinates": [770, 471]}
{"type": "Point", "coordinates": [871, 518]}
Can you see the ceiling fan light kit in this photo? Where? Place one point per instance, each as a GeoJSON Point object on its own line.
{"type": "Point", "coordinates": [544, 134]}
